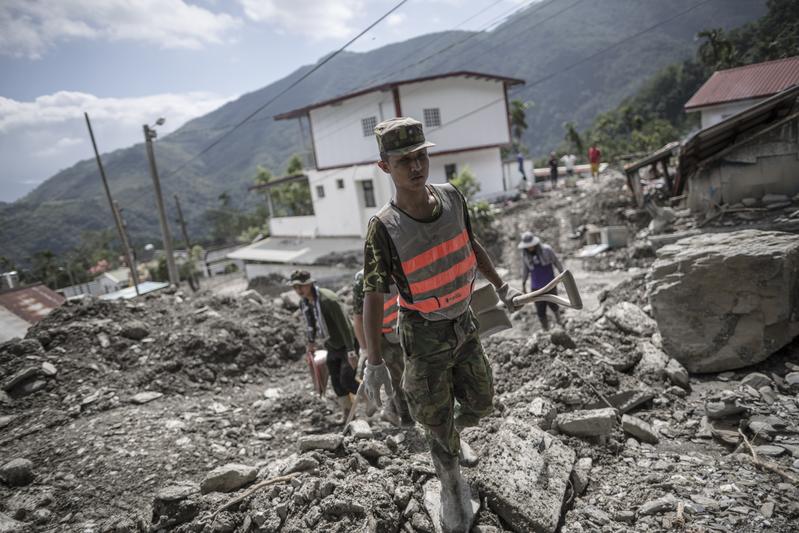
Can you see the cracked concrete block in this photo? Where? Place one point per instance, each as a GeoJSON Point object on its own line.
{"type": "Point", "coordinates": [587, 422]}
{"type": "Point", "coordinates": [524, 473]}
{"type": "Point", "coordinates": [639, 429]}
{"type": "Point", "coordinates": [329, 441]}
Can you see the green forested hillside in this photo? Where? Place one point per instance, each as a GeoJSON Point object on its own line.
{"type": "Point", "coordinates": [539, 44]}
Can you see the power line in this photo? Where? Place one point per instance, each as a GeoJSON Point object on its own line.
{"type": "Point", "coordinates": [377, 79]}
{"type": "Point", "coordinates": [287, 89]}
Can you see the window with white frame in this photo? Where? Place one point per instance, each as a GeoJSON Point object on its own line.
{"type": "Point", "coordinates": [368, 125]}
{"type": "Point", "coordinates": [368, 193]}
{"type": "Point", "coordinates": [432, 117]}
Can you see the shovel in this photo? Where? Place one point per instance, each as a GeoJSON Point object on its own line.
{"type": "Point", "coordinates": [494, 318]}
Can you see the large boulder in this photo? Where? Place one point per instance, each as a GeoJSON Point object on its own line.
{"type": "Point", "coordinates": [728, 300]}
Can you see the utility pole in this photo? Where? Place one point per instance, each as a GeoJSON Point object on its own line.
{"type": "Point", "coordinates": [149, 135]}
{"type": "Point", "coordinates": [133, 271]}
{"type": "Point", "coordinates": [122, 237]}
{"type": "Point", "coordinates": [194, 283]}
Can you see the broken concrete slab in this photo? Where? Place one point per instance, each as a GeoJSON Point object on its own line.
{"type": "Point", "coordinates": [639, 429]}
{"type": "Point", "coordinates": [630, 318]}
{"type": "Point", "coordinates": [524, 474]}
{"type": "Point", "coordinates": [625, 401]}
{"type": "Point", "coordinates": [756, 380]}
{"type": "Point", "coordinates": [432, 503]}
{"type": "Point", "coordinates": [711, 325]}
{"type": "Point", "coordinates": [228, 478]}
{"type": "Point", "coordinates": [587, 422]}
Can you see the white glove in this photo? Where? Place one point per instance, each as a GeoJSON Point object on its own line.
{"type": "Point", "coordinates": [507, 293]}
{"type": "Point", "coordinates": [374, 377]}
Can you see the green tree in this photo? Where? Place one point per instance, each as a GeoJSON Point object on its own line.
{"type": "Point", "coordinates": [466, 183]}
{"type": "Point", "coordinates": [294, 166]}
{"type": "Point", "coordinates": [573, 137]}
{"type": "Point", "coordinates": [518, 120]}
{"type": "Point", "coordinates": [717, 51]}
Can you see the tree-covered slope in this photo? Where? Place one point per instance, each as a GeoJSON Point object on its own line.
{"type": "Point", "coordinates": [539, 45]}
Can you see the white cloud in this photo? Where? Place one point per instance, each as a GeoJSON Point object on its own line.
{"type": "Point", "coordinates": [317, 19]}
{"type": "Point", "coordinates": [395, 19]}
{"type": "Point", "coordinates": [39, 138]}
{"type": "Point", "coordinates": [28, 28]}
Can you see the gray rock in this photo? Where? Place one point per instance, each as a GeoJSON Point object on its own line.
{"type": "Point", "coordinates": [756, 380]}
{"type": "Point", "coordinates": [792, 379]}
{"type": "Point", "coordinates": [769, 450]}
{"type": "Point", "coordinates": [639, 429]}
{"type": "Point", "coordinates": [625, 517]}
{"type": "Point", "coordinates": [712, 325]}
{"type": "Point", "coordinates": [524, 474]}
{"type": "Point", "coordinates": [29, 387]}
{"type": "Point", "coordinates": [652, 365]}
{"type": "Point", "coordinates": [587, 423]}
{"type": "Point", "coordinates": [660, 505]}
{"type": "Point", "coordinates": [767, 509]}
{"type": "Point", "coordinates": [372, 449]}
{"type": "Point", "coordinates": [26, 374]}
{"type": "Point", "coordinates": [291, 300]}
{"type": "Point", "coordinates": [329, 441]}
{"type": "Point", "coordinates": [559, 337]}
{"type": "Point", "coordinates": [6, 420]}
{"type": "Point", "coordinates": [49, 369]}
{"type": "Point", "coordinates": [360, 429]}
{"type": "Point", "coordinates": [749, 202]}
{"type": "Point", "coordinates": [228, 478]}
{"type": "Point", "coordinates": [134, 329]}
{"type": "Point", "coordinates": [726, 407]}
{"type": "Point", "coordinates": [677, 374]}
{"type": "Point", "coordinates": [17, 472]}
{"type": "Point", "coordinates": [178, 503]}
{"type": "Point", "coordinates": [145, 397]}
{"type": "Point", "coordinates": [9, 525]}
{"type": "Point", "coordinates": [432, 503]}
{"type": "Point", "coordinates": [301, 464]}
{"type": "Point", "coordinates": [581, 474]}
{"type": "Point", "coordinates": [771, 198]}
{"type": "Point", "coordinates": [625, 401]}
{"type": "Point", "coordinates": [630, 318]}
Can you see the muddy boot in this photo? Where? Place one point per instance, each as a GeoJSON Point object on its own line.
{"type": "Point", "coordinates": [467, 457]}
{"type": "Point", "coordinates": [345, 402]}
{"type": "Point", "coordinates": [545, 323]}
{"type": "Point", "coordinates": [456, 506]}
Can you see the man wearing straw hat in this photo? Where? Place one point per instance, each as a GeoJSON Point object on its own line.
{"type": "Point", "coordinates": [538, 260]}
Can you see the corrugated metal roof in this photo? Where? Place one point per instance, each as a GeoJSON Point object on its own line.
{"type": "Point", "coordinates": [31, 304]}
{"type": "Point", "coordinates": [759, 80]}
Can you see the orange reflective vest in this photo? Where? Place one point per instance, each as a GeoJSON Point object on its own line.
{"type": "Point", "coordinates": [437, 257]}
{"type": "Point", "coordinates": [390, 315]}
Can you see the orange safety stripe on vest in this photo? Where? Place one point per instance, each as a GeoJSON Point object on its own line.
{"type": "Point", "coordinates": [448, 276]}
{"type": "Point", "coordinates": [390, 314]}
{"type": "Point", "coordinates": [436, 252]}
{"type": "Point", "coordinates": [434, 304]}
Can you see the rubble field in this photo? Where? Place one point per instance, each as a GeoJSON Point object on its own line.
{"type": "Point", "coordinates": [195, 413]}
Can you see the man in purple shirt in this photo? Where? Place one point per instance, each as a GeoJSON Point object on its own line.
{"type": "Point", "coordinates": [538, 265]}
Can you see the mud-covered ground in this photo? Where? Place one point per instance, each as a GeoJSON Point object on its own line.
{"type": "Point", "coordinates": [228, 386]}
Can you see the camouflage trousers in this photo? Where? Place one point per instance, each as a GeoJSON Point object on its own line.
{"type": "Point", "coordinates": [448, 381]}
{"type": "Point", "coordinates": [392, 355]}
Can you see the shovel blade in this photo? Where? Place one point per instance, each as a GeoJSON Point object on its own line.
{"type": "Point", "coordinates": [493, 321]}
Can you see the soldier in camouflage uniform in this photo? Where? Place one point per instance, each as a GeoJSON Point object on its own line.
{"type": "Point", "coordinates": [397, 409]}
{"type": "Point", "coordinates": [423, 243]}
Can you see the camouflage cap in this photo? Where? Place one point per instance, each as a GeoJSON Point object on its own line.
{"type": "Point", "coordinates": [400, 136]}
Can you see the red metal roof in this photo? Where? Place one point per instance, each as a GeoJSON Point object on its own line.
{"type": "Point", "coordinates": [294, 113]}
{"type": "Point", "coordinates": [759, 80]}
{"type": "Point", "coordinates": [31, 304]}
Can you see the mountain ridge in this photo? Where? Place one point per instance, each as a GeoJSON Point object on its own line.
{"type": "Point", "coordinates": [536, 44]}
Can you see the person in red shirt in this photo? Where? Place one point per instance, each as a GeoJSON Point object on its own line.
{"type": "Point", "coordinates": [594, 155]}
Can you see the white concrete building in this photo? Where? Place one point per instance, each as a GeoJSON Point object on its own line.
{"type": "Point", "coordinates": [464, 113]}
{"type": "Point", "coordinates": [728, 92]}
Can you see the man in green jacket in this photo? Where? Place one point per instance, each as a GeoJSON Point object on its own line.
{"type": "Point", "coordinates": [328, 325]}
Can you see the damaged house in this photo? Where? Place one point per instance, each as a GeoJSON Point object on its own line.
{"type": "Point", "coordinates": [747, 151]}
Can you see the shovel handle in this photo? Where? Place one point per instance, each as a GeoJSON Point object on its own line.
{"type": "Point", "coordinates": [350, 416]}
{"type": "Point", "coordinates": [541, 295]}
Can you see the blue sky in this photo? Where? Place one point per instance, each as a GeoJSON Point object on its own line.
{"type": "Point", "coordinates": [127, 62]}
